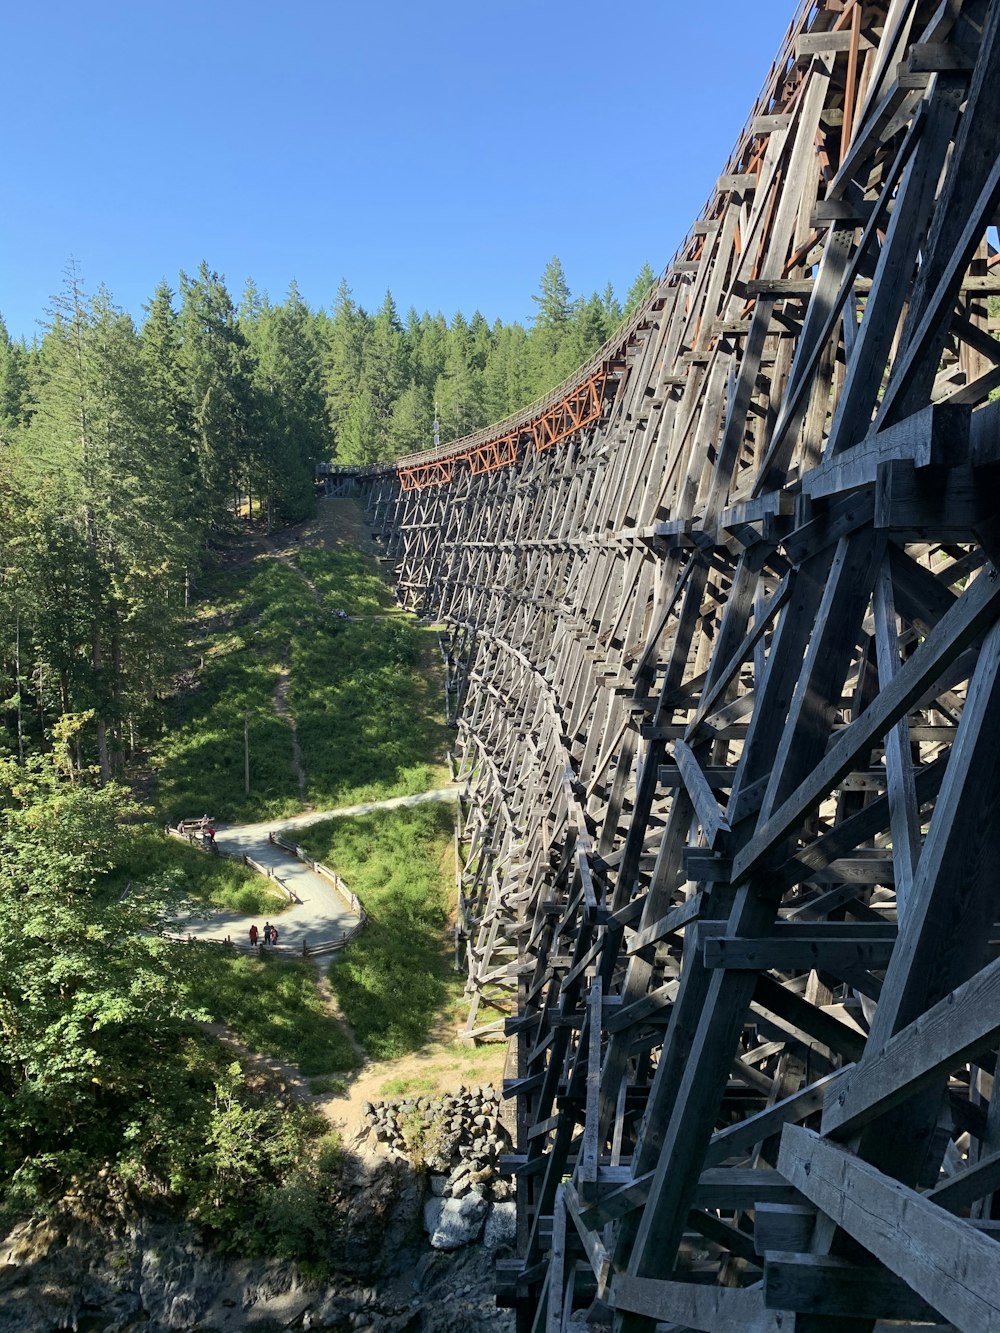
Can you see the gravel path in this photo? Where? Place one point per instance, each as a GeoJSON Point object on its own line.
{"type": "Point", "coordinates": [319, 914]}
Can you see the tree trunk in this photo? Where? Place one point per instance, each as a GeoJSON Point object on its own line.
{"type": "Point", "coordinates": [97, 662]}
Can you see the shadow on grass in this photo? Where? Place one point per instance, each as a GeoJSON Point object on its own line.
{"type": "Point", "coordinates": [396, 980]}
{"type": "Point", "coordinates": [366, 695]}
{"type": "Point", "coordinates": [273, 1005]}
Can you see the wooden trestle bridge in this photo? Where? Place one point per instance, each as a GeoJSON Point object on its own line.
{"type": "Point", "coordinates": [723, 621]}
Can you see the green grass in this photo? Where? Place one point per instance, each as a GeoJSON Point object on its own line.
{"type": "Point", "coordinates": [344, 581]}
{"type": "Point", "coordinates": [274, 1006]}
{"type": "Point", "coordinates": [366, 695]}
{"type": "Point", "coordinates": [396, 979]}
{"type": "Point", "coordinates": [325, 1086]}
{"type": "Point", "coordinates": [150, 856]}
{"type": "Point", "coordinates": [398, 1087]}
{"type": "Point", "coordinates": [368, 704]}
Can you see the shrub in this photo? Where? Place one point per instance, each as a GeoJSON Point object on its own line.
{"type": "Point", "coordinates": [366, 694]}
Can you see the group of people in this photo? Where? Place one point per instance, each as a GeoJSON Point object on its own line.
{"type": "Point", "coordinates": [270, 935]}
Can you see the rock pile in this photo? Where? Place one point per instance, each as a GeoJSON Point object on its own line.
{"type": "Point", "coordinates": [458, 1139]}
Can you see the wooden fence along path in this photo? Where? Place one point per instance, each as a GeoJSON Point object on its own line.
{"type": "Point", "coordinates": [350, 900]}
{"type": "Point", "coordinates": [190, 831]}
{"type": "Point", "coordinates": [723, 641]}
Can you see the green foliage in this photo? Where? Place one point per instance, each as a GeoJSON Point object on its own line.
{"type": "Point", "coordinates": [273, 1005]}
{"type": "Point", "coordinates": [110, 1091]}
{"type": "Point", "coordinates": [428, 1143]}
{"type": "Point", "coordinates": [639, 289]}
{"type": "Point", "coordinates": [87, 989]}
{"type": "Point", "coordinates": [374, 679]}
{"type": "Point", "coordinates": [294, 434]}
{"type": "Point", "coordinates": [213, 881]}
{"type": "Point", "coordinates": [398, 1087]}
{"type": "Point", "coordinates": [396, 979]}
{"type": "Point", "coordinates": [94, 1006]}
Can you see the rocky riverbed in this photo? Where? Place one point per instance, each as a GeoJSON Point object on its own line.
{"type": "Point", "coordinates": [425, 1215]}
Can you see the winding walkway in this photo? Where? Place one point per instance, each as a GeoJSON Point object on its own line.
{"type": "Point", "coordinates": [320, 914]}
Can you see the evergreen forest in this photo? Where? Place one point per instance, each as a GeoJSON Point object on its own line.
{"type": "Point", "coordinates": [149, 620]}
{"type": "Point", "coordinates": [127, 452]}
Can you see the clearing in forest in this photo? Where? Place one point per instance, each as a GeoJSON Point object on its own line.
{"type": "Point", "coordinates": [268, 650]}
{"type": "Point", "coordinates": [338, 712]}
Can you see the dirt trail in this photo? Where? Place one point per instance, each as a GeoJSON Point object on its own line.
{"type": "Point", "coordinates": [445, 1063]}
{"type": "Point", "coordinates": [279, 702]}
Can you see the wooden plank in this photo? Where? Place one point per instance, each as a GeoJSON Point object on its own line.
{"type": "Point", "coordinates": [815, 43]}
{"type": "Point", "coordinates": [589, 1149]}
{"type": "Point", "coordinates": [783, 1226]}
{"type": "Point", "coordinates": [674, 920]}
{"type": "Point", "coordinates": [695, 1305]}
{"type": "Point", "coordinates": [955, 1030]}
{"type": "Point", "coordinates": [936, 436]}
{"type": "Point", "coordinates": [714, 824]}
{"type": "Point", "coordinates": [597, 1255]}
{"type": "Point", "coordinates": [944, 1260]}
{"type": "Point", "coordinates": [822, 1285]}
{"type": "Point", "coordinates": [734, 1187]}
{"type": "Point", "coordinates": [557, 1266]}
{"type": "Point", "coordinates": [950, 502]}
{"type": "Point", "coordinates": [737, 1140]}
{"type": "Point", "coordinates": [974, 1182]}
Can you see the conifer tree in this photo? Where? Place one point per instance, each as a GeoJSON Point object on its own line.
{"type": "Point", "coordinates": [613, 313]}
{"type": "Point", "coordinates": [385, 370]}
{"type": "Point", "coordinates": [290, 370]}
{"type": "Point", "coordinates": [459, 389]}
{"type": "Point", "coordinates": [14, 384]}
{"type": "Point", "coordinates": [98, 545]}
{"type": "Point", "coordinates": [586, 332]}
{"type": "Point", "coordinates": [362, 434]}
{"type": "Point", "coordinates": [170, 415]}
{"type": "Point", "coordinates": [219, 385]}
{"type": "Point", "coordinates": [431, 350]}
{"type": "Point", "coordinates": [551, 357]}
{"type": "Point", "coordinates": [411, 426]}
{"type": "Point", "coordinates": [644, 280]}
{"type": "Point", "coordinates": [343, 360]}
{"type": "Point", "coordinates": [506, 379]}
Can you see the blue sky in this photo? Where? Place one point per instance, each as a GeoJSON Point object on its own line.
{"type": "Point", "coordinates": [446, 150]}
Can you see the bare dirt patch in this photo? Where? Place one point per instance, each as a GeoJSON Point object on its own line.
{"type": "Point", "coordinates": [442, 1066]}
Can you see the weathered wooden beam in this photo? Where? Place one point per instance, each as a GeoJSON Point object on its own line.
{"type": "Point", "coordinates": [942, 1259]}
{"type": "Point", "coordinates": [955, 1030]}
{"type": "Point", "coordinates": [818, 1284]}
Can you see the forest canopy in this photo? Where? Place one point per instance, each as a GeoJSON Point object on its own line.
{"type": "Point", "coordinates": [127, 451]}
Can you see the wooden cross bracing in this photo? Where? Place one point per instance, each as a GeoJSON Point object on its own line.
{"type": "Point", "coordinates": [723, 642]}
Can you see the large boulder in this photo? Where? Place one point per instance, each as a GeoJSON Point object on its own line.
{"type": "Point", "coordinates": [451, 1223]}
{"type": "Point", "coordinates": [501, 1226]}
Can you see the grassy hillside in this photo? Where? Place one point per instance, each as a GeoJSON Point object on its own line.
{"type": "Point", "coordinates": [268, 648]}
{"type": "Point", "coordinates": [396, 980]}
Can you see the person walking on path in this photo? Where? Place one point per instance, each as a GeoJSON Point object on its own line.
{"type": "Point", "coordinates": [267, 932]}
{"type": "Point", "coordinates": [274, 934]}
{"type": "Point", "coordinates": [253, 937]}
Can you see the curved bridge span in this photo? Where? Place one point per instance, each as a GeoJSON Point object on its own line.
{"type": "Point", "coordinates": [723, 638]}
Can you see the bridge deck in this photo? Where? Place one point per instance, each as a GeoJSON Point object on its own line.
{"type": "Point", "coordinates": [723, 659]}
